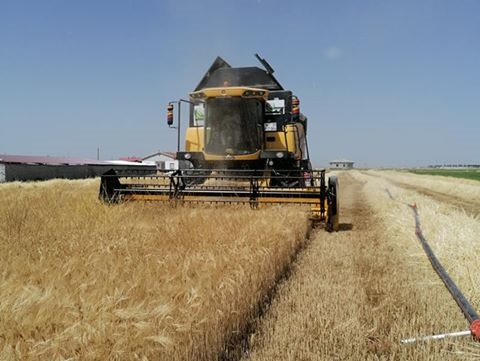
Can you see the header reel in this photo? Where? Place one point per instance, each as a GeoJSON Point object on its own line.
{"type": "Point", "coordinates": [254, 188]}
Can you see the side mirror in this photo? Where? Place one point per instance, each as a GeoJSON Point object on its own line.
{"type": "Point", "coordinates": [170, 114]}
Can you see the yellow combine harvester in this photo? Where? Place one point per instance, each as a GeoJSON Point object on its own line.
{"type": "Point", "coordinates": [246, 143]}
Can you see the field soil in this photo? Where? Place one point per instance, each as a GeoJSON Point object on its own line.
{"type": "Point", "coordinates": [353, 295]}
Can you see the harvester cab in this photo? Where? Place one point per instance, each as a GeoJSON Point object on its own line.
{"type": "Point", "coordinates": [242, 118]}
{"type": "Point", "coordinates": [246, 142]}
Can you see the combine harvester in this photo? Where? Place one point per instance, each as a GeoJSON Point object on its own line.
{"type": "Point", "coordinates": [246, 143]}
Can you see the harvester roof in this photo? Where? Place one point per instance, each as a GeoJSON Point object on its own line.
{"type": "Point", "coordinates": [220, 72]}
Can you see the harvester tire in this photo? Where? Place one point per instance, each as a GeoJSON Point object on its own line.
{"type": "Point", "coordinates": [333, 205]}
{"type": "Point", "coordinates": [291, 179]}
{"type": "Point", "coordinates": [192, 174]}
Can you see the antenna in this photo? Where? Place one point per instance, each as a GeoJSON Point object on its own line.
{"type": "Point", "coordinates": [265, 64]}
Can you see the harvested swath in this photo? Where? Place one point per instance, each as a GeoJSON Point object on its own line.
{"type": "Point", "coordinates": [353, 295]}
{"type": "Point", "coordinates": [85, 281]}
{"type": "Point", "coordinates": [465, 189]}
{"type": "Point", "coordinates": [451, 232]}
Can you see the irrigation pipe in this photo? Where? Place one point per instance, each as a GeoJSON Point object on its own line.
{"type": "Point", "coordinates": [437, 337]}
{"type": "Point", "coordinates": [470, 314]}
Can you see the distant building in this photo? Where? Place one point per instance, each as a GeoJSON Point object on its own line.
{"type": "Point", "coordinates": [32, 168]}
{"type": "Point", "coordinates": [162, 160]}
{"type": "Point", "coordinates": [341, 164]}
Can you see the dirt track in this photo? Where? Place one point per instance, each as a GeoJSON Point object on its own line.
{"type": "Point", "coordinates": [352, 296]}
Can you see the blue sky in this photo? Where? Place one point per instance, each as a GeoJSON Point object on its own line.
{"type": "Point", "coordinates": [384, 83]}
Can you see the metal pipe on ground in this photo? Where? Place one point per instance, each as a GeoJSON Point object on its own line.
{"type": "Point", "coordinates": [436, 337]}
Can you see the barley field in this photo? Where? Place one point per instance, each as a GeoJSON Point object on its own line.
{"type": "Point", "coordinates": [81, 280]}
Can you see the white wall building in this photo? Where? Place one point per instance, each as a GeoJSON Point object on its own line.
{"type": "Point", "coordinates": [341, 164]}
{"type": "Point", "coordinates": [163, 160]}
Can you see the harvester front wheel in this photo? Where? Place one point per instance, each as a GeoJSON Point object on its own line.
{"type": "Point", "coordinates": [287, 179]}
{"type": "Point", "coordinates": [333, 205]}
{"type": "Point", "coordinates": [193, 174]}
